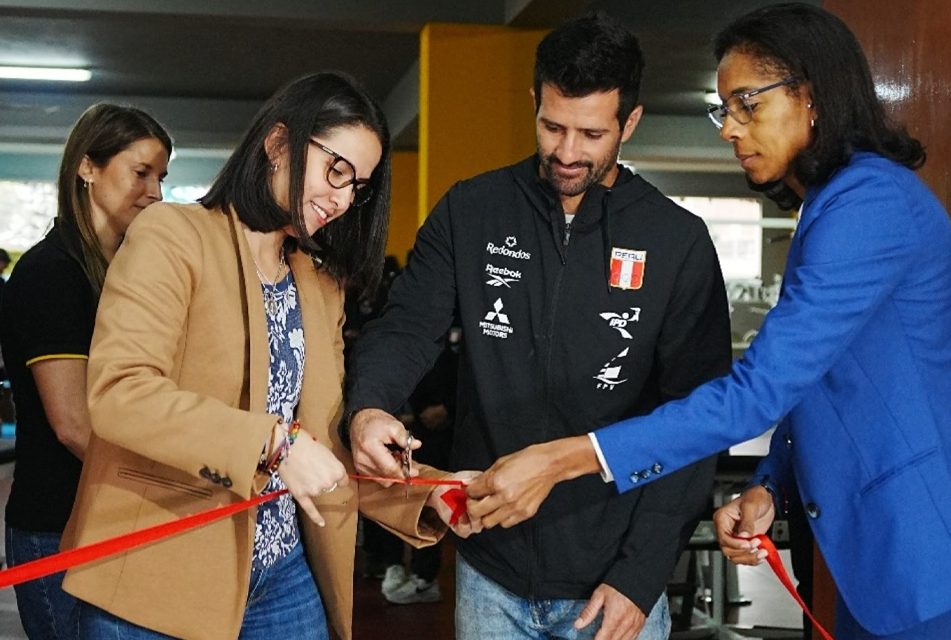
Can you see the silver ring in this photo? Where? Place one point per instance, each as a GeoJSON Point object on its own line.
{"type": "Point", "coordinates": [333, 488]}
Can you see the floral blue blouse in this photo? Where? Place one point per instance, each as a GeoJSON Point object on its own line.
{"type": "Point", "coordinates": [277, 533]}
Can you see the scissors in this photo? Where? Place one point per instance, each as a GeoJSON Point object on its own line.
{"type": "Point", "coordinates": [408, 460]}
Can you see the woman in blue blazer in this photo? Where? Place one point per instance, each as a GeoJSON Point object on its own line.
{"type": "Point", "coordinates": [854, 360]}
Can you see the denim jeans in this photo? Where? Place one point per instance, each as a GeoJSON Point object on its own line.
{"type": "Point", "coordinates": [484, 609]}
{"type": "Point", "coordinates": [46, 611]}
{"type": "Point", "coordinates": [283, 603]}
{"type": "Point", "coordinates": [846, 628]}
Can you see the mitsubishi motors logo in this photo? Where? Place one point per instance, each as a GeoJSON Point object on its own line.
{"type": "Point", "coordinates": [610, 374]}
{"type": "Point", "coordinates": [496, 323]}
{"type": "Point", "coordinates": [497, 314]}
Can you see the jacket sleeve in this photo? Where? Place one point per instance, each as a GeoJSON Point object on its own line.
{"type": "Point", "coordinates": [857, 244]}
{"type": "Point", "coordinates": [399, 347]}
{"type": "Point", "coordinates": [775, 469]}
{"type": "Point", "coordinates": [133, 399]}
{"type": "Point", "coordinates": [693, 347]}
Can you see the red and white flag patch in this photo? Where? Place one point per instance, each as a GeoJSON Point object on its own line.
{"type": "Point", "coordinates": [627, 268]}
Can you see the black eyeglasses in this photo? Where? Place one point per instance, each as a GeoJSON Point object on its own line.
{"type": "Point", "coordinates": [341, 174]}
{"type": "Point", "coordinates": [738, 107]}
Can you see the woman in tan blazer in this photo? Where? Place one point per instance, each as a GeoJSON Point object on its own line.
{"type": "Point", "coordinates": [216, 372]}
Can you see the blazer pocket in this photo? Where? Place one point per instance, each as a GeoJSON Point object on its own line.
{"type": "Point", "coordinates": [897, 470]}
{"type": "Point", "coordinates": [153, 480]}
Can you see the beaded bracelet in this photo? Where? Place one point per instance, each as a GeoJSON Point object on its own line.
{"type": "Point", "coordinates": [282, 451]}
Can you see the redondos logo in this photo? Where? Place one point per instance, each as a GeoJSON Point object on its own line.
{"type": "Point", "coordinates": [508, 253]}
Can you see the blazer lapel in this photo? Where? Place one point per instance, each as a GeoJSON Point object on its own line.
{"type": "Point", "coordinates": [255, 321]}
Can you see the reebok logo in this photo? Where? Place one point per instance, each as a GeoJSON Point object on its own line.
{"type": "Point", "coordinates": [501, 276]}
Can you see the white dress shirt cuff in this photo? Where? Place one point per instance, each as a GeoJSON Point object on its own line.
{"type": "Point", "coordinates": [606, 474]}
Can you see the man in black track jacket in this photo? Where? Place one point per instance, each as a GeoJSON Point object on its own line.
{"type": "Point", "coordinates": [586, 296]}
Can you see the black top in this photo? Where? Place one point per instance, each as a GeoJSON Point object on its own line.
{"type": "Point", "coordinates": [48, 311]}
{"type": "Point", "coordinates": [564, 333]}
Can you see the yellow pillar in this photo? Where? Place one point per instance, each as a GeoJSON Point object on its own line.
{"type": "Point", "coordinates": [404, 216]}
{"type": "Point", "coordinates": [475, 110]}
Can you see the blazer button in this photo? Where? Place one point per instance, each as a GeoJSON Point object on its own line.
{"type": "Point", "coordinates": [657, 468]}
{"type": "Point", "coordinates": [205, 473]}
{"type": "Point", "coordinates": [635, 477]}
{"type": "Point", "coordinates": [226, 482]}
{"type": "Point", "coordinates": [215, 478]}
{"type": "Point", "coordinates": [788, 441]}
{"type": "Point", "coordinates": [812, 510]}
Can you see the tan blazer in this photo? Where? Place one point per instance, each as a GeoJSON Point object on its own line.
{"type": "Point", "coordinates": [178, 373]}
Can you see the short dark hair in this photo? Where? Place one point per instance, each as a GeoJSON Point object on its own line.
{"type": "Point", "coordinates": [102, 132]}
{"type": "Point", "coordinates": [591, 54]}
{"type": "Point", "coordinates": [802, 40]}
{"type": "Point", "coordinates": [351, 248]}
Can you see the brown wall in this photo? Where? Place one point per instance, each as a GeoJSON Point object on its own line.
{"type": "Point", "coordinates": [908, 45]}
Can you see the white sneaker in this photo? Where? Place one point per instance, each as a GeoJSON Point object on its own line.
{"type": "Point", "coordinates": [414, 590]}
{"type": "Point", "coordinates": [396, 575]}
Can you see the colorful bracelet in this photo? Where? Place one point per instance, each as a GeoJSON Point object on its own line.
{"type": "Point", "coordinates": [270, 465]}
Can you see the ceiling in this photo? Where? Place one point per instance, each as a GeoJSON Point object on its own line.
{"type": "Point", "coordinates": [203, 67]}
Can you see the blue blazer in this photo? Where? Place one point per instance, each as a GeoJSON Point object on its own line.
{"type": "Point", "coordinates": [856, 356]}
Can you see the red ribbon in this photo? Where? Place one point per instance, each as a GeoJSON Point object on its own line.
{"type": "Point", "coordinates": [98, 550]}
{"type": "Point", "coordinates": [455, 498]}
{"type": "Point", "coordinates": [776, 563]}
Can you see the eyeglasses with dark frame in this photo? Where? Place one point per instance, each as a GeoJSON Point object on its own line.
{"type": "Point", "coordinates": [341, 174]}
{"type": "Point", "coordinates": [738, 107]}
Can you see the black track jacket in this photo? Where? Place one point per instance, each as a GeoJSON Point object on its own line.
{"type": "Point", "coordinates": [552, 349]}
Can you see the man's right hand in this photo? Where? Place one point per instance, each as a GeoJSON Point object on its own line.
{"type": "Point", "coordinates": [750, 514]}
{"type": "Point", "coordinates": [371, 430]}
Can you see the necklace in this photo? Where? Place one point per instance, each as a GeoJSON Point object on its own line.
{"type": "Point", "coordinates": [271, 293]}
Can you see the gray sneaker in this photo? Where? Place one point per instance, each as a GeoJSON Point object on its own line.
{"type": "Point", "coordinates": [413, 591]}
{"type": "Point", "coordinates": [396, 575]}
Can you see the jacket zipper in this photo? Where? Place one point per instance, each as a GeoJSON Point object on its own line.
{"type": "Point", "coordinates": [533, 533]}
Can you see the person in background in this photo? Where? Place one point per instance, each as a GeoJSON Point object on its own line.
{"type": "Point", "coordinates": [853, 361]}
{"type": "Point", "coordinates": [216, 373]}
{"type": "Point", "coordinates": [113, 165]}
{"type": "Point", "coordinates": [4, 263]}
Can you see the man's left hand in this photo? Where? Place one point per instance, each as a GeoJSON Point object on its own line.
{"type": "Point", "coordinates": [622, 620]}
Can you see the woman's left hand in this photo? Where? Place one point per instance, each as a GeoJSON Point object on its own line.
{"type": "Point", "coordinates": [466, 525]}
{"type": "Point", "coordinates": [310, 470]}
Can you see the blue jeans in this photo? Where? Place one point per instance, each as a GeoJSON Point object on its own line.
{"type": "Point", "coordinates": [283, 603]}
{"type": "Point", "coordinates": [46, 611]}
{"type": "Point", "coordinates": [484, 609]}
{"type": "Point", "coordinates": [846, 628]}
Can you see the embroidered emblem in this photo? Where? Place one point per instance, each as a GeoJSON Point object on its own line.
{"type": "Point", "coordinates": [627, 268]}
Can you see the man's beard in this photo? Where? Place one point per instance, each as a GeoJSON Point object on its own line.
{"type": "Point", "coordinates": [576, 186]}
